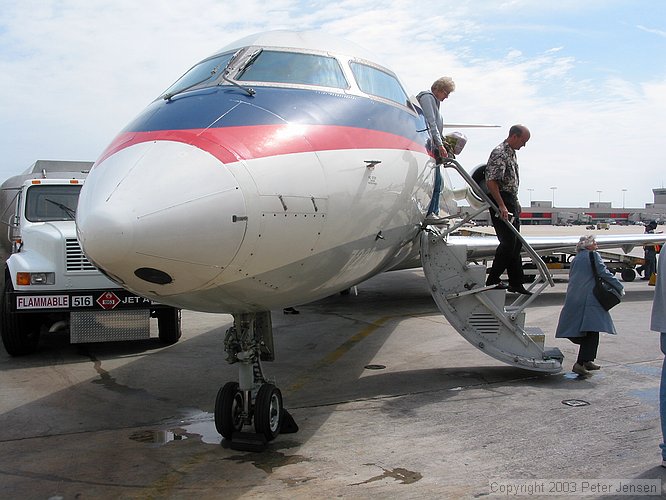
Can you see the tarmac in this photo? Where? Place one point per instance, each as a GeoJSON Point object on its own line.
{"type": "Point", "coordinates": [389, 399]}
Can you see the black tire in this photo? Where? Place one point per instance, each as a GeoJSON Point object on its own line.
{"type": "Point", "coordinates": [628, 275]}
{"type": "Point", "coordinates": [169, 325]}
{"type": "Point", "coordinates": [268, 411]}
{"type": "Point", "coordinates": [229, 410]}
{"type": "Point", "coordinates": [20, 332]}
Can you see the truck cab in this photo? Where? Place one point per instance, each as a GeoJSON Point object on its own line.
{"type": "Point", "coordinates": [49, 284]}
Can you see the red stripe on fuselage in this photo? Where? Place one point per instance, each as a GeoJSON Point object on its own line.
{"type": "Point", "coordinates": [230, 144]}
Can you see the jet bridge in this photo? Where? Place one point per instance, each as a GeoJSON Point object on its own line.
{"type": "Point", "coordinates": [479, 312]}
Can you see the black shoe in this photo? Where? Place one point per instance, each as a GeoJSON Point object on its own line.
{"type": "Point", "coordinates": [290, 310]}
{"type": "Point", "coordinates": [500, 285]}
{"type": "Point", "coordinates": [521, 290]}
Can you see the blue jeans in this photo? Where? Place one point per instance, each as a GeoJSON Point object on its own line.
{"type": "Point", "coordinates": [433, 208]}
{"type": "Point", "coordinates": [662, 399]}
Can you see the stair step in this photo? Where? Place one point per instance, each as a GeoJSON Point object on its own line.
{"type": "Point", "coordinates": [536, 334]}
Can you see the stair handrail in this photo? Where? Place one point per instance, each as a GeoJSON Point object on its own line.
{"type": "Point", "coordinates": [534, 256]}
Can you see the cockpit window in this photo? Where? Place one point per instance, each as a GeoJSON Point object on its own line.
{"type": "Point", "coordinates": [294, 68]}
{"type": "Point", "coordinates": [378, 83]}
{"type": "Point", "coordinates": [205, 71]}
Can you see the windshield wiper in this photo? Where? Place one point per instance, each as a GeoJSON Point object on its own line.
{"type": "Point", "coordinates": [250, 60]}
{"type": "Point", "coordinates": [168, 96]}
{"type": "Point", "coordinates": [64, 208]}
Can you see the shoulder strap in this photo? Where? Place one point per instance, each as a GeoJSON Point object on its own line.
{"type": "Point", "coordinates": [594, 267]}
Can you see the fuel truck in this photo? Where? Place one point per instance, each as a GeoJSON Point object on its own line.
{"type": "Point", "coordinates": [48, 284]}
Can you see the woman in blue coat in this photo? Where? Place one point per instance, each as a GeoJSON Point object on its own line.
{"type": "Point", "coordinates": [582, 317]}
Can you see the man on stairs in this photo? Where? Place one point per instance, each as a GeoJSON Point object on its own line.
{"type": "Point", "coordinates": [502, 179]}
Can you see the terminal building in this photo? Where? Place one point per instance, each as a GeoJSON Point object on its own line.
{"type": "Point", "coordinates": [543, 212]}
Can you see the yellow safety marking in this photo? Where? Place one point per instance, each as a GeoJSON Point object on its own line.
{"type": "Point", "coordinates": [335, 355]}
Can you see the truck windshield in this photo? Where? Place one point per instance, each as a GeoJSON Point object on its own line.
{"type": "Point", "coordinates": [46, 203]}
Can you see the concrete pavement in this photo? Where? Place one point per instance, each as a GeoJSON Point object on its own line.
{"type": "Point", "coordinates": [390, 400]}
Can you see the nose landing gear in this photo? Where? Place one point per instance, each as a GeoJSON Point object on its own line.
{"type": "Point", "coordinates": [252, 400]}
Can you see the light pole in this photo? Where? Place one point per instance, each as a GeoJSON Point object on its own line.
{"type": "Point", "coordinates": [553, 189]}
{"type": "Point", "coordinates": [599, 192]}
{"type": "Point", "coordinates": [530, 191]}
{"type": "Point", "coordinates": [624, 191]}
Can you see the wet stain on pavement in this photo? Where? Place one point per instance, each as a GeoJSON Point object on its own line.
{"type": "Point", "coordinates": [158, 438]}
{"type": "Point", "coordinates": [108, 382]}
{"type": "Point", "coordinates": [400, 474]}
{"type": "Point", "coordinates": [295, 481]}
{"type": "Point", "coordinates": [287, 443]}
{"type": "Point", "coordinates": [269, 460]}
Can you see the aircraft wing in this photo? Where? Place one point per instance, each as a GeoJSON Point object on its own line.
{"type": "Point", "coordinates": [470, 125]}
{"type": "Point", "coordinates": [484, 246]}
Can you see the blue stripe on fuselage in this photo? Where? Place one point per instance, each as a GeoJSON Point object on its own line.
{"type": "Point", "coordinates": [219, 107]}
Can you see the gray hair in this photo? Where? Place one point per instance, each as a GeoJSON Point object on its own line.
{"type": "Point", "coordinates": [444, 83]}
{"type": "Point", "coordinates": [585, 241]}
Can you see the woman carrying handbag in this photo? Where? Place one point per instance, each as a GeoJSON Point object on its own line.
{"type": "Point", "coordinates": [583, 317]}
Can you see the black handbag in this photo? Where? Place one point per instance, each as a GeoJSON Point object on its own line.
{"type": "Point", "coordinates": [607, 295]}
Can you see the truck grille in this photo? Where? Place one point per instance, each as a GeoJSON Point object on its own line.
{"type": "Point", "coordinates": [76, 261]}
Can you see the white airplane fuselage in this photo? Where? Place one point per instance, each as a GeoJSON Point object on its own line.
{"type": "Point", "coordinates": [219, 200]}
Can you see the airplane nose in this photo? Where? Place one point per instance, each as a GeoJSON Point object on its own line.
{"type": "Point", "coordinates": [161, 217]}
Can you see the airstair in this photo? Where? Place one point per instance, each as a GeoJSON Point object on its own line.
{"type": "Point", "coordinates": [478, 312]}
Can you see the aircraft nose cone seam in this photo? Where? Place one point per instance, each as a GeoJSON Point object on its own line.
{"type": "Point", "coordinates": [159, 224]}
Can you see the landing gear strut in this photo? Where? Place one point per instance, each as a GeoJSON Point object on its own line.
{"type": "Point", "coordinates": [252, 400]}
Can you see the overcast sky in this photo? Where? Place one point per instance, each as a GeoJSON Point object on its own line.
{"type": "Point", "coordinates": [587, 77]}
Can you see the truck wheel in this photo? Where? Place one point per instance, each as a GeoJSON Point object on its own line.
{"type": "Point", "coordinates": [168, 325]}
{"type": "Point", "coordinates": [628, 275]}
{"type": "Point", "coordinates": [20, 332]}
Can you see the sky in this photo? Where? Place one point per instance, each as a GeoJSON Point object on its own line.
{"type": "Point", "coordinates": [588, 78]}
